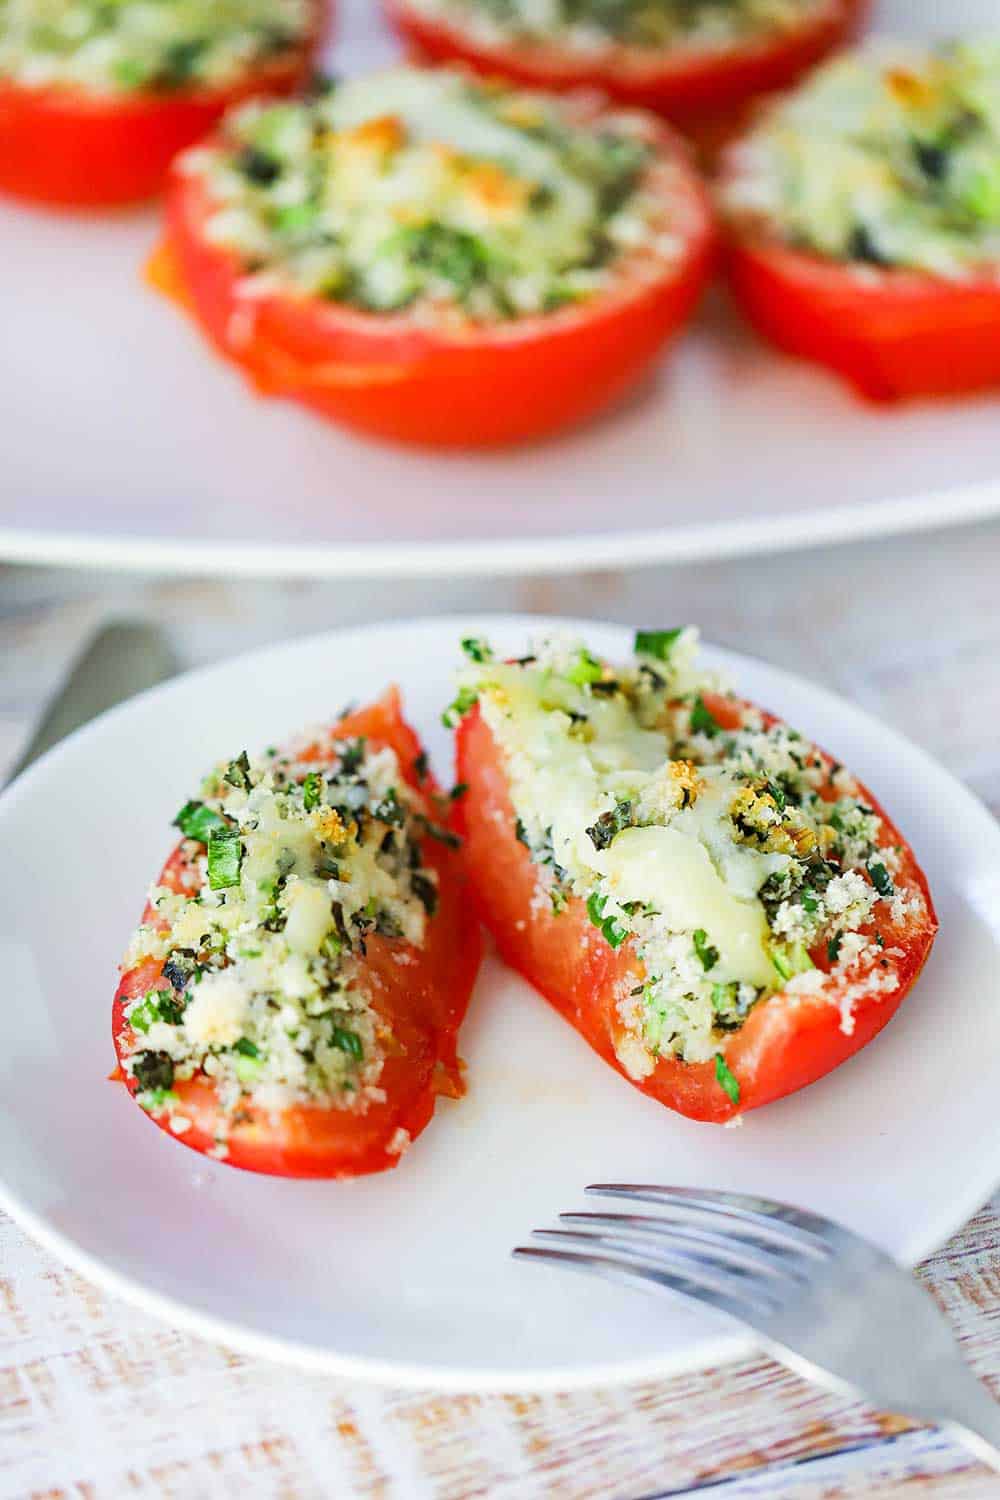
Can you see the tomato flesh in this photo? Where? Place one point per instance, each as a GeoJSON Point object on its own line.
{"type": "Point", "coordinates": [73, 149]}
{"type": "Point", "coordinates": [423, 1003]}
{"type": "Point", "coordinates": [892, 334]}
{"type": "Point", "coordinates": [386, 375]}
{"type": "Point", "coordinates": [786, 1042]}
{"type": "Point", "coordinates": [707, 93]}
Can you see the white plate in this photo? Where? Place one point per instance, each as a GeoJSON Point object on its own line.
{"type": "Point", "coordinates": [126, 444]}
{"type": "Point", "coordinates": [407, 1278]}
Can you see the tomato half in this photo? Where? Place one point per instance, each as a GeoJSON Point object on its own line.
{"type": "Point", "coordinates": [788, 1040]}
{"type": "Point", "coordinates": [480, 385]}
{"type": "Point", "coordinates": [422, 1000]}
{"type": "Point", "coordinates": [891, 333]}
{"type": "Point", "coordinates": [70, 148]}
{"type": "Point", "coordinates": [706, 92]}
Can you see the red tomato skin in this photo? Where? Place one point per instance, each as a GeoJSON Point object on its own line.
{"type": "Point", "coordinates": [424, 1002]}
{"type": "Point", "coordinates": [388, 377]}
{"type": "Point", "coordinates": [708, 96]}
{"type": "Point", "coordinates": [892, 334]}
{"type": "Point", "coordinates": [787, 1042]}
{"type": "Point", "coordinates": [71, 149]}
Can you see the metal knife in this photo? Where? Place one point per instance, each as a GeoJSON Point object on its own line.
{"type": "Point", "coordinates": [123, 658]}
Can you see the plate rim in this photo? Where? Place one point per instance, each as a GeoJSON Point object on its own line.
{"type": "Point", "coordinates": [555, 554]}
{"type": "Point", "coordinates": [724, 1347]}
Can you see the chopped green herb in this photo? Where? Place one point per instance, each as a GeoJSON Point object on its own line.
{"type": "Point", "coordinates": [459, 707]}
{"type": "Point", "coordinates": [246, 1048]}
{"type": "Point", "coordinates": [726, 1079]}
{"type": "Point", "coordinates": [613, 932]}
{"type": "Point", "coordinates": [352, 755]}
{"type": "Point", "coordinates": [583, 668]}
{"type": "Point", "coordinates": [237, 773]}
{"type": "Point", "coordinates": [349, 1042]}
{"type": "Point", "coordinates": [390, 810]}
{"type": "Point", "coordinates": [703, 721]}
{"type": "Point", "coordinates": [458, 790]}
{"type": "Point", "coordinates": [810, 903]}
{"type": "Point", "coordinates": [153, 1070]}
{"type": "Point", "coordinates": [658, 643]}
{"type": "Point", "coordinates": [420, 766]}
{"type": "Point", "coordinates": [153, 1100]}
{"type": "Point", "coordinates": [833, 947]}
{"type": "Point", "coordinates": [609, 825]}
{"type": "Point", "coordinates": [312, 789]}
{"type": "Point", "coordinates": [881, 879]}
{"type": "Point", "coordinates": [225, 856]}
{"type": "Point", "coordinates": [196, 821]}
{"type": "Point", "coordinates": [709, 956]}
{"type": "Point", "coordinates": [476, 649]}
{"type": "Point", "coordinates": [248, 1069]}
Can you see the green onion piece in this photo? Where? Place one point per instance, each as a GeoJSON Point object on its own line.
{"type": "Point", "coordinates": [791, 960]}
{"type": "Point", "coordinates": [196, 821]}
{"type": "Point", "coordinates": [703, 720]}
{"type": "Point", "coordinates": [312, 787]}
{"type": "Point", "coordinates": [349, 1042]}
{"type": "Point", "coordinates": [658, 643]}
{"type": "Point", "coordinates": [459, 707]}
{"type": "Point", "coordinates": [595, 907]}
{"type": "Point", "coordinates": [726, 1079]}
{"type": "Point", "coordinates": [584, 668]}
{"type": "Point", "coordinates": [294, 216]}
{"type": "Point", "coordinates": [248, 1069]}
{"type": "Point", "coordinates": [709, 956]}
{"type": "Point", "coordinates": [477, 649]}
{"type": "Point", "coordinates": [809, 901]}
{"type": "Point", "coordinates": [143, 1016]}
{"type": "Point", "coordinates": [613, 934]}
{"type": "Point", "coordinates": [225, 855]}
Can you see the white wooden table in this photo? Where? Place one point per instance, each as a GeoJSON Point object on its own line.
{"type": "Point", "coordinates": [99, 1402]}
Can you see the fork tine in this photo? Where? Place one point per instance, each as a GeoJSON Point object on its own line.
{"type": "Point", "coordinates": [753, 1252]}
{"type": "Point", "coordinates": [777, 1221]}
{"type": "Point", "coordinates": [703, 1269]}
{"type": "Point", "coordinates": [619, 1268]}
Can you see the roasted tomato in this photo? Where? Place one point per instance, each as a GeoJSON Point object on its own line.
{"type": "Point", "coordinates": [504, 285]}
{"type": "Point", "coordinates": [863, 215]}
{"type": "Point", "coordinates": [660, 967]}
{"type": "Point", "coordinates": [315, 1041]}
{"type": "Point", "coordinates": [79, 146]}
{"type": "Point", "coordinates": [705, 90]}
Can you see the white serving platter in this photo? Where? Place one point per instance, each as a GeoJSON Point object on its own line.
{"type": "Point", "coordinates": [407, 1278]}
{"type": "Point", "coordinates": [125, 444]}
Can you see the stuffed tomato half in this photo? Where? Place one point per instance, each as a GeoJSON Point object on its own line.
{"type": "Point", "coordinates": [700, 63]}
{"type": "Point", "coordinates": [863, 220]}
{"type": "Point", "coordinates": [291, 1000]}
{"type": "Point", "coordinates": [436, 261]}
{"type": "Point", "coordinates": [96, 99]}
{"type": "Point", "coordinates": [723, 912]}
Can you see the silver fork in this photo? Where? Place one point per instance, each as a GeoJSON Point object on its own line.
{"type": "Point", "coordinates": [821, 1299]}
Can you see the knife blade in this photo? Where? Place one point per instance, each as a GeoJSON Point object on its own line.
{"type": "Point", "coordinates": [123, 658]}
